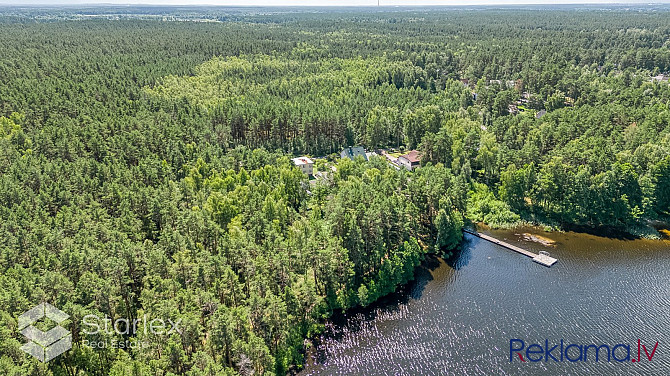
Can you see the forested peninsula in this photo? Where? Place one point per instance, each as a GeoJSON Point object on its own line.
{"type": "Point", "coordinates": [147, 162]}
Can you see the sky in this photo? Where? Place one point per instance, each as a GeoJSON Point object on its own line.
{"type": "Point", "coordinates": [322, 2]}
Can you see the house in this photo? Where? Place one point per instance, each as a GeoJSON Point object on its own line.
{"type": "Point", "coordinates": [305, 165]}
{"type": "Point", "coordinates": [660, 78]}
{"type": "Point", "coordinates": [410, 160]}
{"type": "Point", "coordinates": [540, 114]}
{"type": "Point", "coordinates": [352, 152]}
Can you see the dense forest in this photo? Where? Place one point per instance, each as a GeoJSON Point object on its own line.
{"type": "Point", "coordinates": [145, 162]}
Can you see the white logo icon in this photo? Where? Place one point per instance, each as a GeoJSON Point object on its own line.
{"type": "Point", "coordinates": [45, 345]}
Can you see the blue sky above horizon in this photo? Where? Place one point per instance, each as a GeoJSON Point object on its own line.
{"type": "Point", "coordinates": [324, 2]}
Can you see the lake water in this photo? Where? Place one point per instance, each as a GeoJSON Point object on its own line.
{"type": "Point", "coordinates": [458, 316]}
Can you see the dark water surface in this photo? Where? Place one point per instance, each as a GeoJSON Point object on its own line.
{"type": "Point", "coordinates": [459, 315]}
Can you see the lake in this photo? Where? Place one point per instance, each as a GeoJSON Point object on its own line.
{"type": "Point", "coordinates": [459, 315]}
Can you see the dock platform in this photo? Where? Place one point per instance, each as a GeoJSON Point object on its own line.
{"type": "Point", "coordinates": [543, 258]}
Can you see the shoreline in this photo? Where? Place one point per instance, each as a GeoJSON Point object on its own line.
{"type": "Point", "coordinates": [431, 261]}
{"type": "Point", "coordinates": [652, 230]}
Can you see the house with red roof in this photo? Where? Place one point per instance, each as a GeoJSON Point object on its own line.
{"type": "Point", "coordinates": [305, 165]}
{"type": "Point", "coordinates": [410, 160]}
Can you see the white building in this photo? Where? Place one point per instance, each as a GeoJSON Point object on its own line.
{"type": "Point", "coordinates": [660, 78]}
{"type": "Point", "coordinates": [352, 152]}
{"type": "Point", "coordinates": [410, 160]}
{"type": "Point", "coordinates": [305, 165]}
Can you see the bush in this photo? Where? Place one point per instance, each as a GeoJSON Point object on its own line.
{"type": "Point", "coordinates": [483, 206]}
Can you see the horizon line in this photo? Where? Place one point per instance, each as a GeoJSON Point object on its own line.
{"type": "Point", "coordinates": [482, 4]}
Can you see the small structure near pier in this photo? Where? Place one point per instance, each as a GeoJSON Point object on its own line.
{"type": "Point", "coordinates": [544, 258]}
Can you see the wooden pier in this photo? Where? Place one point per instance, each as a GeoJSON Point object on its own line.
{"type": "Point", "coordinates": [543, 258]}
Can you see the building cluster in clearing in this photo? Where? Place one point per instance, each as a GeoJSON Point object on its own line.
{"type": "Point", "coordinates": [409, 161]}
{"type": "Point", "coordinates": [518, 106]}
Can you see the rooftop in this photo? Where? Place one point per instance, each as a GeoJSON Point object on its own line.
{"type": "Point", "coordinates": [353, 151]}
{"type": "Point", "coordinates": [413, 156]}
{"type": "Point", "coordinates": [302, 160]}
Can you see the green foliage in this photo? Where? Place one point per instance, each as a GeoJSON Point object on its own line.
{"type": "Point", "coordinates": [515, 186]}
{"type": "Point", "coordinates": [302, 104]}
{"type": "Point", "coordinates": [661, 177]}
{"type": "Point", "coordinates": [484, 207]}
{"type": "Point", "coordinates": [449, 226]}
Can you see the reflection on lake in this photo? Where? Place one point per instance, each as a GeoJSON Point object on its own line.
{"type": "Point", "coordinates": [458, 316]}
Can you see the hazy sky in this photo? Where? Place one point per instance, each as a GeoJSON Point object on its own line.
{"type": "Point", "coordinates": [321, 2]}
